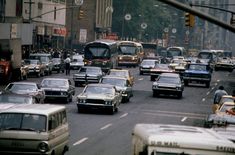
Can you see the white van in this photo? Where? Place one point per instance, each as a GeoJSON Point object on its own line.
{"type": "Point", "coordinates": [34, 129]}
{"type": "Point", "coordinates": [161, 139]}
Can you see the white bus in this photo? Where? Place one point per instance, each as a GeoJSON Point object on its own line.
{"type": "Point", "coordinates": [161, 139]}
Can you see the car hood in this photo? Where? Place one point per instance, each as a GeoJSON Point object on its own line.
{"type": "Point", "coordinates": [165, 84]}
{"type": "Point", "coordinates": [55, 88]}
{"type": "Point", "coordinates": [146, 66]}
{"type": "Point", "coordinates": [121, 88]}
{"type": "Point", "coordinates": [220, 118]}
{"type": "Point", "coordinates": [76, 63]}
{"type": "Point", "coordinates": [24, 92]}
{"type": "Point", "coordinates": [196, 72]}
{"type": "Point", "coordinates": [95, 96]}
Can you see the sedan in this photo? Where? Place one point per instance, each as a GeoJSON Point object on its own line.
{"type": "Point", "coordinates": [88, 74]}
{"type": "Point", "coordinates": [122, 85]}
{"type": "Point", "coordinates": [36, 67]}
{"type": "Point", "coordinates": [146, 65]}
{"type": "Point", "coordinates": [58, 88]}
{"type": "Point", "coordinates": [28, 88]}
{"type": "Point", "coordinates": [59, 65]}
{"type": "Point", "coordinates": [168, 83]}
{"type": "Point", "coordinates": [99, 96]}
{"type": "Point", "coordinates": [222, 116]}
{"type": "Point", "coordinates": [158, 69]}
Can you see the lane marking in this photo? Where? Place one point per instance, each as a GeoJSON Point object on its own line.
{"type": "Point", "coordinates": [213, 88]}
{"type": "Point", "coordinates": [179, 116]}
{"type": "Point", "coordinates": [141, 79]}
{"type": "Point", "coordinates": [184, 119]}
{"type": "Point", "coordinates": [208, 93]}
{"type": "Point", "coordinates": [216, 84]}
{"type": "Point", "coordinates": [172, 112]}
{"type": "Point", "coordinates": [218, 80]}
{"type": "Point", "coordinates": [106, 126]}
{"type": "Point", "coordinates": [203, 100]}
{"type": "Point", "coordinates": [80, 141]}
{"type": "Point", "coordinates": [124, 115]}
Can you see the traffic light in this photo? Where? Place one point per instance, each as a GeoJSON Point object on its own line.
{"type": "Point", "coordinates": [81, 14]}
{"type": "Point", "coordinates": [189, 19]}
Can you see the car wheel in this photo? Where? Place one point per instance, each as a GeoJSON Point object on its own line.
{"type": "Point", "coordinates": [216, 69]}
{"type": "Point", "coordinates": [38, 74]}
{"type": "Point", "coordinates": [155, 94]}
{"type": "Point", "coordinates": [186, 83]}
{"type": "Point", "coordinates": [67, 99]}
{"type": "Point", "coordinates": [231, 70]}
{"type": "Point", "coordinates": [25, 77]}
{"type": "Point", "coordinates": [112, 110]}
{"type": "Point", "coordinates": [70, 98]}
{"type": "Point", "coordinates": [152, 78]}
{"type": "Point", "coordinates": [180, 95]}
{"type": "Point", "coordinates": [58, 71]}
{"type": "Point", "coordinates": [207, 84]}
{"type": "Point", "coordinates": [141, 73]}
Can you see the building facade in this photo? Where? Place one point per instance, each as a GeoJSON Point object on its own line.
{"type": "Point", "coordinates": [90, 21]}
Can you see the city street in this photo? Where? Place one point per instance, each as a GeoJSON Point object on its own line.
{"type": "Point", "coordinates": [104, 134]}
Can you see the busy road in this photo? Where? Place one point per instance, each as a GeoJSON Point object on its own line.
{"type": "Point", "coordinates": [103, 134]}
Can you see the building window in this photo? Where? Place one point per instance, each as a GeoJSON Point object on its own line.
{"type": "Point", "coordinates": [54, 13]}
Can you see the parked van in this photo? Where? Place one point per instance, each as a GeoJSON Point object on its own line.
{"type": "Point", "coordinates": [162, 139]}
{"type": "Point", "coordinates": [34, 129]}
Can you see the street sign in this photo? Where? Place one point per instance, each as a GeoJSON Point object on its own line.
{"type": "Point", "coordinates": [143, 25]}
{"type": "Point", "coordinates": [78, 2]}
{"type": "Point", "coordinates": [127, 16]}
{"type": "Point", "coordinates": [174, 30]}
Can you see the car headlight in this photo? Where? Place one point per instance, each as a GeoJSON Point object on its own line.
{"type": "Point", "coordinates": [63, 93]}
{"type": "Point", "coordinates": [177, 88]}
{"type": "Point", "coordinates": [36, 67]}
{"type": "Point", "coordinates": [81, 100]}
{"type": "Point", "coordinates": [43, 147]}
{"type": "Point", "coordinates": [134, 58]}
{"type": "Point", "coordinates": [120, 58]}
{"type": "Point", "coordinates": [108, 102]}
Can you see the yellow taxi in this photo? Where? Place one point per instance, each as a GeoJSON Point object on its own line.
{"type": "Point", "coordinates": [122, 73]}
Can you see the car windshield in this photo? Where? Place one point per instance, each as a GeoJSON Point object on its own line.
{"type": "Point", "coordinates": [114, 81]}
{"type": "Point", "coordinates": [21, 87]}
{"type": "Point", "coordinates": [19, 121]}
{"type": "Point", "coordinates": [226, 99]}
{"type": "Point", "coordinates": [5, 98]}
{"type": "Point", "coordinates": [225, 107]}
{"type": "Point", "coordinates": [99, 90]}
{"type": "Point", "coordinates": [119, 73]}
{"type": "Point", "coordinates": [56, 60]}
{"type": "Point", "coordinates": [90, 70]}
{"type": "Point", "coordinates": [32, 62]}
{"type": "Point", "coordinates": [54, 83]}
{"type": "Point", "coordinates": [198, 67]}
{"type": "Point", "coordinates": [171, 80]}
{"type": "Point", "coordinates": [148, 62]}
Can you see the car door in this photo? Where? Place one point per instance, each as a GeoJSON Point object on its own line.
{"type": "Point", "coordinates": [71, 88]}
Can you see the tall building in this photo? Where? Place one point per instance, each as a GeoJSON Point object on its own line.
{"type": "Point", "coordinates": [92, 20]}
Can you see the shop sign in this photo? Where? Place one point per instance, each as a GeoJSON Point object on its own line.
{"type": "Point", "coordinates": [48, 30]}
{"type": "Point", "coordinates": [59, 32]}
{"type": "Point", "coordinates": [83, 36]}
{"type": "Point", "coordinates": [40, 30]}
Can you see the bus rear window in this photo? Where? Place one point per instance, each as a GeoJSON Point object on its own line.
{"type": "Point", "coordinates": [128, 50]}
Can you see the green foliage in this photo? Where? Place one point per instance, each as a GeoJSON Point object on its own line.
{"type": "Point", "coordinates": [155, 14]}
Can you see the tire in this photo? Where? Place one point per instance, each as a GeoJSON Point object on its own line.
{"type": "Point", "coordinates": [186, 83]}
{"type": "Point", "coordinates": [152, 78]}
{"type": "Point", "coordinates": [141, 73]}
{"type": "Point", "coordinates": [230, 70]}
{"type": "Point", "coordinates": [207, 84]}
{"type": "Point", "coordinates": [70, 98]}
{"type": "Point", "coordinates": [155, 94]}
{"type": "Point", "coordinates": [58, 71]}
{"type": "Point", "coordinates": [180, 95]}
{"type": "Point", "coordinates": [216, 69]}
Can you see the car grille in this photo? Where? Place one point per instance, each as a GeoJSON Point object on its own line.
{"type": "Point", "coordinates": [169, 88]}
{"type": "Point", "coordinates": [95, 101]}
{"type": "Point", "coordinates": [198, 76]}
{"type": "Point", "coordinates": [48, 92]}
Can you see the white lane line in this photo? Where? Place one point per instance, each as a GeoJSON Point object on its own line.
{"type": "Point", "coordinates": [216, 84]}
{"type": "Point", "coordinates": [208, 93]}
{"type": "Point", "coordinates": [218, 80]}
{"type": "Point", "coordinates": [106, 126]}
{"type": "Point", "coordinates": [213, 88]}
{"type": "Point", "coordinates": [172, 115]}
{"type": "Point", "coordinates": [184, 119]}
{"type": "Point", "coordinates": [141, 79]}
{"type": "Point", "coordinates": [203, 100]}
{"type": "Point", "coordinates": [80, 141]}
{"type": "Point", "coordinates": [172, 112]}
{"type": "Point", "coordinates": [124, 115]}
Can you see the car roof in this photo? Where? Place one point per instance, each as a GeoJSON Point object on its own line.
{"type": "Point", "coordinates": [119, 70]}
{"type": "Point", "coordinates": [26, 83]}
{"type": "Point", "coordinates": [170, 74]}
{"type": "Point", "coordinates": [43, 109]}
{"type": "Point", "coordinates": [101, 85]}
{"type": "Point", "coordinates": [55, 79]}
{"type": "Point", "coordinates": [113, 77]}
{"type": "Point", "coordinates": [91, 67]}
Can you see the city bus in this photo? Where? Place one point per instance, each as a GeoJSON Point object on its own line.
{"type": "Point", "coordinates": [101, 53]}
{"type": "Point", "coordinates": [130, 53]}
{"type": "Point", "coordinates": [164, 139]}
{"type": "Point", "coordinates": [175, 51]}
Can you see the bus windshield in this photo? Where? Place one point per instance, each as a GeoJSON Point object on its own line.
{"type": "Point", "coordinates": [205, 55]}
{"type": "Point", "coordinates": [172, 52]}
{"type": "Point", "coordinates": [97, 52]}
{"type": "Point", "coordinates": [128, 50]}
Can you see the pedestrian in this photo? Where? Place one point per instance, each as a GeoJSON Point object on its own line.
{"type": "Point", "coordinates": [67, 65]}
{"type": "Point", "coordinates": [217, 96]}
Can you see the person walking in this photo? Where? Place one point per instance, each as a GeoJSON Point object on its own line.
{"type": "Point", "coordinates": [67, 65]}
{"type": "Point", "coordinates": [217, 96]}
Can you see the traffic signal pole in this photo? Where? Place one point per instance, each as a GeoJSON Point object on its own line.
{"type": "Point", "coordinates": [205, 16]}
